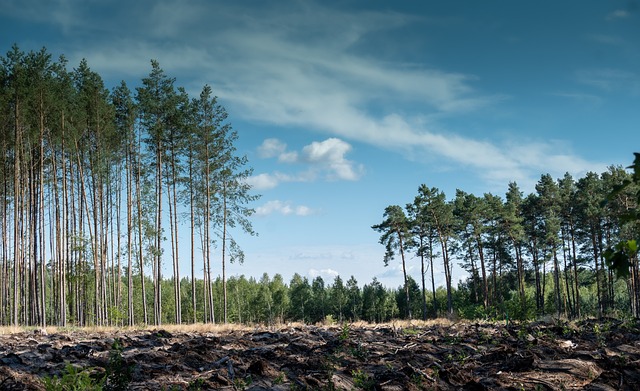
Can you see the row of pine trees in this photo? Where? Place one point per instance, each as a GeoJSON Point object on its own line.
{"type": "Point", "coordinates": [95, 185]}
{"type": "Point", "coordinates": [525, 254]}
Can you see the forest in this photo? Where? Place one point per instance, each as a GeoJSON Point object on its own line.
{"type": "Point", "coordinates": [97, 182]}
{"type": "Point", "coordinates": [94, 184]}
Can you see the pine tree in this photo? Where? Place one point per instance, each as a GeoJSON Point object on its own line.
{"type": "Point", "coordinates": [395, 236]}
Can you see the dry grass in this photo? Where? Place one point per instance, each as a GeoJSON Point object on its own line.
{"type": "Point", "coordinates": [199, 328]}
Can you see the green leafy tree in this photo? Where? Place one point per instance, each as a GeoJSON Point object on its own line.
{"type": "Point", "coordinates": [354, 299]}
{"type": "Point", "coordinates": [622, 257]}
{"type": "Point", "coordinates": [396, 237]}
{"type": "Point", "coordinates": [471, 212]}
{"type": "Point", "coordinates": [569, 216]}
{"type": "Point", "coordinates": [442, 216]}
{"type": "Point", "coordinates": [157, 104]}
{"type": "Point", "coordinates": [548, 193]}
{"type": "Point", "coordinates": [234, 195]}
{"type": "Point", "coordinates": [125, 116]}
{"type": "Point", "coordinates": [424, 231]}
{"type": "Point", "coordinates": [589, 196]}
{"type": "Point", "coordinates": [338, 297]}
{"type": "Point", "coordinates": [299, 298]}
{"type": "Point", "coordinates": [512, 226]}
{"type": "Point", "coordinates": [279, 294]}
{"type": "Point", "coordinates": [319, 300]}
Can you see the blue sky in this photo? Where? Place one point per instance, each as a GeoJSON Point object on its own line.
{"type": "Point", "coordinates": [345, 107]}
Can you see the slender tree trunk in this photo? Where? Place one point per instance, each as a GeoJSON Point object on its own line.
{"type": "Point", "coordinates": [539, 292]}
{"type": "Point", "coordinates": [447, 273]}
{"type": "Point", "coordinates": [404, 272]}
{"type": "Point", "coordinates": [118, 301]}
{"type": "Point", "coordinates": [17, 234]}
{"type": "Point", "coordinates": [474, 273]}
{"type": "Point", "coordinates": [178, 293]}
{"type": "Point", "coordinates": [596, 260]}
{"type": "Point", "coordinates": [557, 285]}
{"type": "Point", "coordinates": [192, 220]}
{"type": "Point", "coordinates": [575, 272]}
{"type": "Point", "coordinates": [224, 248]}
{"type": "Point", "coordinates": [140, 235]}
{"type": "Point", "coordinates": [158, 248]}
{"type": "Point", "coordinates": [172, 236]}
{"type": "Point", "coordinates": [485, 284]}
{"type": "Point", "coordinates": [568, 297]}
{"type": "Point", "coordinates": [422, 273]}
{"type": "Point", "coordinates": [129, 180]}
{"type": "Point", "coordinates": [520, 267]}
{"type": "Point", "coordinates": [433, 280]}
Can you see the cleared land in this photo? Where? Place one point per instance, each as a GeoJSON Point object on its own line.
{"type": "Point", "coordinates": [599, 354]}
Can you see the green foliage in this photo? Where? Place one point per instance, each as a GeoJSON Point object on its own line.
{"type": "Point", "coordinates": [363, 380]}
{"type": "Point", "coordinates": [344, 333]}
{"type": "Point", "coordinates": [195, 385]}
{"type": "Point", "coordinates": [117, 377]}
{"type": "Point", "coordinates": [119, 372]}
{"type": "Point", "coordinates": [620, 255]}
{"type": "Point", "coordinates": [73, 379]}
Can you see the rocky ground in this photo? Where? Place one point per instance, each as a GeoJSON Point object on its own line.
{"type": "Point", "coordinates": [588, 355]}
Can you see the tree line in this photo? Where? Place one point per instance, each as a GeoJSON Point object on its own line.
{"type": "Point", "coordinates": [548, 252]}
{"type": "Point", "coordinates": [95, 185]}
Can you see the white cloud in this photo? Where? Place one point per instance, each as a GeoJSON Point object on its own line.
{"type": "Point", "coordinates": [300, 65]}
{"type": "Point", "coordinates": [331, 154]}
{"type": "Point", "coordinates": [283, 208]}
{"type": "Point", "coordinates": [618, 14]}
{"type": "Point", "coordinates": [271, 147]}
{"type": "Point", "coordinates": [267, 181]}
{"type": "Point", "coordinates": [324, 158]}
{"type": "Point", "coordinates": [327, 274]}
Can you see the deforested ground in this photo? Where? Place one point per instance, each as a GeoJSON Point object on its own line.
{"type": "Point", "coordinates": [602, 354]}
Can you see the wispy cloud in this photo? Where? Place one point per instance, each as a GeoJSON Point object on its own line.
{"type": "Point", "coordinates": [326, 159]}
{"type": "Point", "coordinates": [284, 208]}
{"type": "Point", "coordinates": [266, 181]}
{"type": "Point", "coordinates": [618, 14]}
{"type": "Point", "coordinates": [309, 65]}
{"type": "Point", "coordinates": [580, 97]}
{"type": "Point", "coordinates": [607, 39]}
{"type": "Point", "coordinates": [610, 79]}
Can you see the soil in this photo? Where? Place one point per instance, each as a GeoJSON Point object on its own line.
{"type": "Point", "coordinates": [599, 354]}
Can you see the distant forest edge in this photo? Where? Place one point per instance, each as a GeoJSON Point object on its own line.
{"type": "Point", "coordinates": [95, 185]}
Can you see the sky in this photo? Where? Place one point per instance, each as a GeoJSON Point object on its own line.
{"type": "Point", "coordinates": [346, 107]}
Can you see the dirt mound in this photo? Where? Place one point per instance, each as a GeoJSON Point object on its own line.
{"type": "Point", "coordinates": [589, 355]}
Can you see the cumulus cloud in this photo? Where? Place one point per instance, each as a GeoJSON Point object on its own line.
{"type": "Point", "coordinates": [324, 273]}
{"type": "Point", "coordinates": [331, 155]}
{"type": "Point", "coordinates": [271, 147]}
{"type": "Point", "coordinates": [323, 158]}
{"type": "Point", "coordinates": [284, 208]}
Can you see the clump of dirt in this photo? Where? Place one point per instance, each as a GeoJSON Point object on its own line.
{"type": "Point", "coordinates": [599, 354]}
